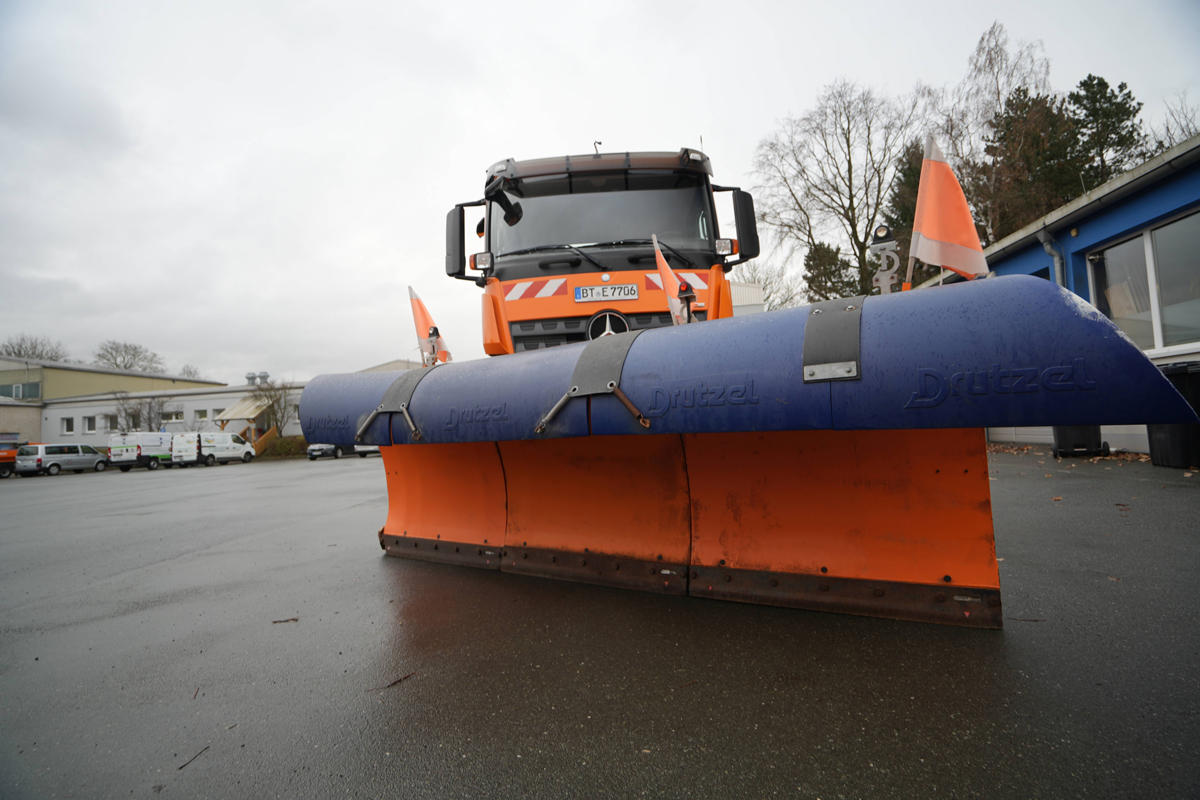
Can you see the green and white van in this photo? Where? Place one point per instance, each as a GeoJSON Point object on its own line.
{"type": "Point", "coordinates": [149, 450]}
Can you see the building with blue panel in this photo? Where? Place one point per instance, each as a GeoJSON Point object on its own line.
{"type": "Point", "coordinates": [1131, 248]}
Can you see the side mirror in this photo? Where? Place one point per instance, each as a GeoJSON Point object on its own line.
{"type": "Point", "coordinates": [455, 262]}
{"type": "Point", "coordinates": [747, 225]}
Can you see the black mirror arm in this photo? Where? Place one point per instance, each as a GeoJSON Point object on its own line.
{"type": "Point", "coordinates": [495, 193]}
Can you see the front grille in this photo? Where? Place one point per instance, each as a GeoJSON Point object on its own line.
{"type": "Point", "coordinates": [537, 334]}
{"type": "Point", "coordinates": [542, 333]}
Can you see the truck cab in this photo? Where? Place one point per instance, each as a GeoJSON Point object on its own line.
{"type": "Point", "coordinates": [567, 245]}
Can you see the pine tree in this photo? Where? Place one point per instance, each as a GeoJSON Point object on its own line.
{"type": "Point", "coordinates": [1034, 163]}
{"type": "Point", "coordinates": [1111, 139]}
{"type": "Point", "coordinates": [828, 275]}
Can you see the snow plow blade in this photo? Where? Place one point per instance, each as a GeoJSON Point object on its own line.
{"type": "Point", "coordinates": [827, 457]}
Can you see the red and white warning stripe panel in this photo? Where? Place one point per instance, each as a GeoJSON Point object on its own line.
{"type": "Point", "coordinates": [533, 289]}
{"type": "Point", "coordinates": [654, 281]}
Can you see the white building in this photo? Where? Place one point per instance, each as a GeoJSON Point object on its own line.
{"type": "Point", "coordinates": [90, 419]}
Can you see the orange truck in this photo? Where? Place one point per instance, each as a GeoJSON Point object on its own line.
{"type": "Point", "coordinates": [8, 457]}
{"type": "Point", "coordinates": [827, 457]}
{"type": "Point", "coordinates": [579, 265]}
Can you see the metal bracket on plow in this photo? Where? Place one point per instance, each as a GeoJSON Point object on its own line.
{"type": "Point", "coordinates": [598, 371]}
{"type": "Point", "coordinates": [396, 400]}
{"type": "Point", "coordinates": [831, 341]}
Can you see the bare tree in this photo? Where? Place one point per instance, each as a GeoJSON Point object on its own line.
{"type": "Point", "coordinates": [129, 417]}
{"type": "Point", "coordinates": [1180, 124]}
{"type": "Point", "coordinates": [963, 117]}
{"type": "Point", "coordinates": [191, 371]}
{"type": "Point", "coordinates": [280, 401]}
{"type": "Point", "coordinates": [127, 355]}
{"type": "Point", "coordinates": [826, 175]}
{"type": "Point", "coordinates": [141, 413]}
{"type": "Point", "coordinates": [23, 345]}
{"type": "Point", "coordinates": [781, 287]}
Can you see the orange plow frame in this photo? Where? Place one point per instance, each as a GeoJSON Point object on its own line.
{"type": "Point", "coordinates": [893, 523]}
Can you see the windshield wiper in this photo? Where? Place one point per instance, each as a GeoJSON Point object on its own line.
{"type": "Point", "coordinates": [664, 245]}
{"type": "Point", "coordinates": [545, 247]}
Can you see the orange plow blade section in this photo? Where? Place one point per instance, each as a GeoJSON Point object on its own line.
{"type": "Point", "coordinates": [446, 502]}
{"type": "Point", "coordinates": [879, 523]}
{"type": "Point", "coordinates": [599, 509]}
{"type": "Point", "coordinates": [883, 523]}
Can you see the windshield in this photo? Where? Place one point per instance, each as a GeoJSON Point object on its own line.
{"type": "Point", "coordinates": [602, 207]}
{"type": "Point", "coordinates": [27, 451]}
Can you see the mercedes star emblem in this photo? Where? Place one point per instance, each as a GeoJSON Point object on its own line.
{"type": "Point", "coordinates": [606, 323]}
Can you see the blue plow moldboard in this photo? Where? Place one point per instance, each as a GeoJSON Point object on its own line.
{"type": "Point", "coordinates": [1013, 351]}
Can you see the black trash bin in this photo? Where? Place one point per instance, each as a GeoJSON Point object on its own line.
{"type": "Point", "coordinates": [1078, 440]}
{"type": "Point", "coordinates": [1178, 445]}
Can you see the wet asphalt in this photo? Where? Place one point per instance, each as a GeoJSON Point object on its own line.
{"type": "Point", "coordinates": [140, 656]}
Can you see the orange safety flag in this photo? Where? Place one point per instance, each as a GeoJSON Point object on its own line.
{"type": "Point", "coordinates": [678, 292]}
{"type": "Point", "coordinates": [944, 232]}
{"type": "Point", "coordinates": [433, 346]}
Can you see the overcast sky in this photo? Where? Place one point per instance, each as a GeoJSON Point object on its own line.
{"type": "Point", "coordinates": [252, 186]}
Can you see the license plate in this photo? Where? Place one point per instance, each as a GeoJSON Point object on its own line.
{"type": "Point", "coordinates": [594, 294]}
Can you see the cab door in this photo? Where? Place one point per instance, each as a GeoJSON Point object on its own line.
{"type": "Point", "coordinates": [88, 457]}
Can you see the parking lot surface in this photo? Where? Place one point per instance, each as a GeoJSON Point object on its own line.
{"type": "Point", "coordinates": [236, 632]}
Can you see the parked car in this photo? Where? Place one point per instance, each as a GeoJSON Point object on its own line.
{"type": "Point", "coordinates": [316, 451]}
{"type": "Point", "coordinates": [51, 459]}
{"type": "Point", "coordinates": [209, 449]}
{"type": "Point", "coordinates": [137, 449]}
{"type": "Point", "coordinates": [8, 458]}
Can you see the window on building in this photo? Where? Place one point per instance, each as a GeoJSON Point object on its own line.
{"type": "Point", "coordinates": [1150, 285]}
{"type": "Point", "coordinates": [218, 412]}
{"type": "Point", "coordinates": [1177, 265]}
{"type": "Point", "coordinates": [28, 391]}
{"type": "Point", "coordinates": [1123, 289]}
{"type": "Point", "coordinates": [89, 424]}
{"type": "Point", "coordinates": [201, 413]}
{"type": "Point", "coordinates": [135, 422]}
{"type": "Point", "coordinates": [68, 424]}
{"type": "Point", "coordinates": [172, 416]}
{"type": "Point", "coordinates": [112, 421]}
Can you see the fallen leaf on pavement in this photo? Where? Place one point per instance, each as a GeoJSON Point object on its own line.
{"type": "Point", "coordinates": [393, 683]}
{"type": "Point", "coordinates": [1056, 499]}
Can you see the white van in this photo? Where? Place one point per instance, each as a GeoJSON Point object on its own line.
{"type": "Point", "coordinates": [209, 448]}
{"type": "Point", "coordinates": [149, 450]}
